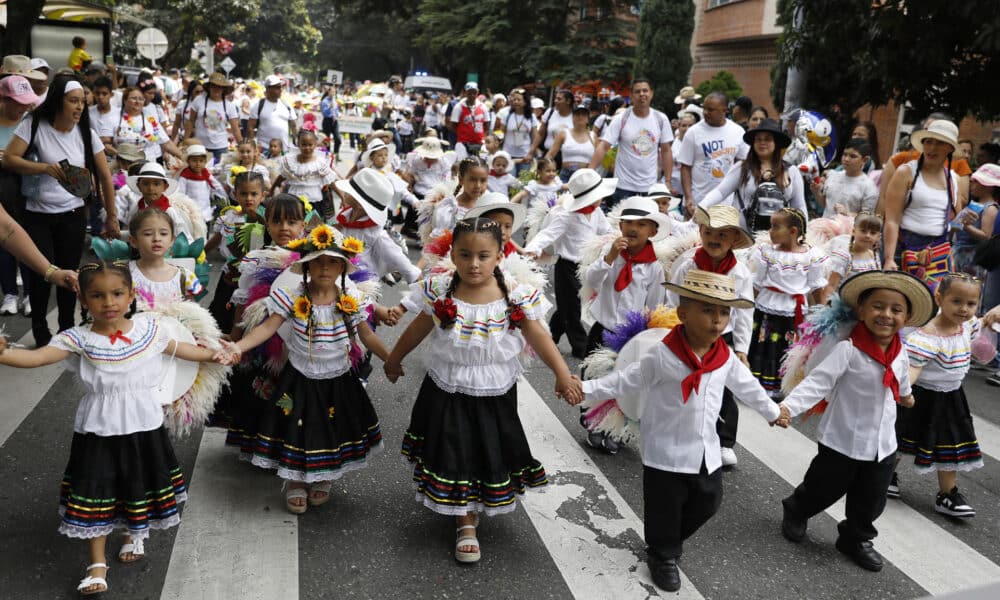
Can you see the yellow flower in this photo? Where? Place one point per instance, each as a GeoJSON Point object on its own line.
{"type": "Point", "coordinates": [201, 257]}
{"type": "Point", "coordinates": [302, 307]}
{"type": "Point", "coordinates": [352, 245]}
{"type": "Point", "coordinates": [234, 171]}
{"type": "Point", "coordinates": [305, 203]}
{"type": "Point", "coordinates": [347, 304]}
{"type": "Point", "coordinates": [296, 244]}
{"type": "Point", "coordinates": [322, 236]}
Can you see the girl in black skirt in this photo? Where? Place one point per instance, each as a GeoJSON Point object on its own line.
{"type": "Point", "coordinates": [465, 440]}
{"type": "Point", "coordinates": [319, 422]}
{"type": "Point", "coordinates": [122, 472]}
{"type": "Point", "coordinates": [938, 430]}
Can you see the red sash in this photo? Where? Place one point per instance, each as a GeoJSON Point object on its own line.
{"type": "Point", "coordinates": [716, 356]}
{"type": "Point", "coordinates": [646, 255]}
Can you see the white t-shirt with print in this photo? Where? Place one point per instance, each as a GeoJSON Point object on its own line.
{"type": "Point", "coordinates": [211, 118]}
{"type": "Point", "coordinates": [638, 140]}
{"type": "Point", "coordinates": [517, 134]}
{"type": "Point", "coordinates": [53, 146]}
{"type": "Point", "coordinates": [710, 152]}
{"type": "Point", "coordinates": [555, 123]}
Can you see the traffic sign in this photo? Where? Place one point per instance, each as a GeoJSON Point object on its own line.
{"type": "Point", "coordinates": [151, 43]}
{"type": "Point", "coordinates": [228, 65]}
{"type": "Point", "coordinates": [336, 77]}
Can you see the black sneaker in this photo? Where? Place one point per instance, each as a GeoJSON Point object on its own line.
{"type": "Point", "coordinates": [601, 441]}
{"type": "Point", "coordinates": [953, 504]}
{"type": "Point", "coordinates": [861, 552]}
{"type": "Point", "coordinates": [893, 491]}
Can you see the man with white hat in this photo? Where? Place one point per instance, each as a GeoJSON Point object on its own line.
{"type": "Point", "coordinates": [275, 118]}
{"type": "Point", "coordinates": [468, 121]}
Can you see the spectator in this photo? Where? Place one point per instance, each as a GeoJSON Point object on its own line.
{"type": "Point", "coordinates": [142, 129]}
{"type": "Point", "coordinates": [271, 118]}
{"type": "Point", "coordinates": [709, 150]}
{"type": "Point", "coordinates": [959, 166]}
{"type": "Point", "coordinates": [552, 121]}
{"type": "Point", "coordinates": [209, 116]}
{"type": "Point", "coordinates": [687, 119]}
{"type": "Point", "coordinates": [865, 130]}
{"type": "Point", "coordinates": [988, 153]}
{"type": "Point", "coordinates": [848, 191]}
{"type": "Point", "coordinates": [576, 145]}
{"type": "Point", "coordinates": [978, 220]}
{"type": "Point", "coordinates": [79, 58]}
{"type": "Point", "coordinates": [758, 114]}
{"type": "Point", "coordinates": [519, 127]}
{"type": "Point", "coordinates": [331, 114]}
{"type": "Point", "coordinates": [468, 121]}
{"type": "Point", "coordinates": [742, 108]}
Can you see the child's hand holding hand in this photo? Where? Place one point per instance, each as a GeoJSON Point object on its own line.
{"type": "Point", "coordinates": [784, 417]}
{"type": "Point", "coordinates": [570, 389]}
{"type": "Point", "coordinates": [617, 247]}
{"type": "Point", "coordinates": [393, 370]}
{"type": "Point", "coordinates": [383, 315]}
{"type": "Point", "coordinates": [907, 401]}
{"type": "Point", "coordinates": [395, 314]}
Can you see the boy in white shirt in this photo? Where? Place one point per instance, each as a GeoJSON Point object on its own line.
{"type": "Point", "coordinates": [679, 383]}
{"type": "Point", "coordinates": [198, 183]}
{"type": "Point", "coordinates": [850, 191]}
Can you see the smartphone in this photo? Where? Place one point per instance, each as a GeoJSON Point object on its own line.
{"type": "Point", "coordinates": [109, 59]}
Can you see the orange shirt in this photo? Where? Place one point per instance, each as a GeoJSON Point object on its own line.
{"type": "Point", "coordinates": [960, 166]}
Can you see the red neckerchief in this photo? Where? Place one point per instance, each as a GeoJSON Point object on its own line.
{"type": "Point", "coordinates": [114, 337]}
{"type": "Point", "coordinates": [705, 263]}
{"type": "Point", "coordinates": [494, 173]}
{"type": "Point", "coordinates": [716, 356]}
{"type": "Point", "coordinates": [800, 304]}
{"type": "Point", "coordinates": [162, 203]}
{"type": "Point", "coordinates": [586, 210]}
{"type": "Point", "coordinates": [187, 173]}
{"type": "Point", "coordinates": [646, 255]}
{"type": "Point", "coordinates": [509, 248]}
{"type": "Point", "coordinates": [359, 224]}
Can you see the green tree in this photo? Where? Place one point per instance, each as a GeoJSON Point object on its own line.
{"type": "Point", "coordinates": [724, 82]}
{"type": "Point", "coordinates": [663, 52]}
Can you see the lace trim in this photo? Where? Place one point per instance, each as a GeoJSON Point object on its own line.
{"type": "Point", "coordinates": [292, 475]}
{"type": "Point", "coordinates": [474, 391]}
{"type": "Point", "coordinates": [87, 533]}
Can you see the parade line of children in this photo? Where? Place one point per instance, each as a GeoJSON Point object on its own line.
{"type": "Point", "coordinates": [296, 313]}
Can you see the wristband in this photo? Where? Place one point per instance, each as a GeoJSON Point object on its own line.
{"type": "Point", "coordinates": [48, 272]}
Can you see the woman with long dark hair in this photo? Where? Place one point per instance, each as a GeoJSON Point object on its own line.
{"type": "Point", "coordinates": [54, 217]}
{"type": "Point", "coordinates": [519, 126]}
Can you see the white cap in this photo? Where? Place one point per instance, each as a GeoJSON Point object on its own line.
{"type": "Point", "coordinates": [272, 80]}
{"type": "Point", "coordinates": [40, 63]}
{"type": "Point", "coordinates": [537, 103]}
{"type": "Point", "coordinates": [499, 97]}
{"type": "Point", "coordinates": [196, 150]}
{"type": "Point", "coordinates": [471, 85]}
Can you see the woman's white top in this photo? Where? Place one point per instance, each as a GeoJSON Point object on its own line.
{"type": "Point", "coordinates": [326, 354]}
{"type": "Point", "coordinates": [118, 376]}
{"type": "Point", "coordinates": [306, 178]}
{"type": "Point", "coordinates": [212, 120]}
{"type": "Point", "coordinates": [608, 307]}
{"type": "Point", "coordinates": [518, 131]}
{"type": "Point", "coordinates": [554, 123]}
{"type": "Point", "coordinates": [730, 192]}
{"type": "Point", "coordinates": [145, 130]}
{"type": "Point", "coordinates": [478, 354]}
{"type": "Point", "coordinates": [945, 359]}
{"type": "Point", "coordinates": [791, 272]}
{"type": "Point", "coordinates": [53, 146]}
{"type": "Point", "coordinates": [928, 211]}
{"type": "Point", "coordinates": [577, 152]}
{"type": "Point", "coordinates": [153, 295]}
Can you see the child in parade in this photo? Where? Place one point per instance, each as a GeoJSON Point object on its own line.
{"type": "Point", "coordinates": [681, 382]}
{"type": "Point", "coordinates": [544, 189]}
{"type": "Point", "coordinates": [306, 173]}
{"type": "Point", "coordinates": [788, 273]}
{"type": "Point", "coordinates": [938, 429]}
{"type": "Point", "coordinates": [377, 157]}
{"type": "Point", "coordinates": [721, 234]}
{"type": "Point", "coordinates": [122, 472]}
{"type": "Point", "coordinates": [247, 158]}
{"type": "Point", "coordinates": [473, 175]}
{"type": "Point", "coordinates": [856, 386]}
{"type": "Point", "coordinates": [500, 179]}
{"type": "Point", "coordinates": [197, 182]}
{"type": "Point", "coordinates": [854, 253]}
{"type": "Point", "coordinates": [319, 422]}
{"type": "Point", "coordinates": [569, 227]}
{"type": "Point", "coordinates": [157, 283]}
{"type": "Point", "coordinates": [128, 159]}
{"type": "Point", "coordinates": [465, 440]}
{"type": "Point", "coordinates": [154, 186]}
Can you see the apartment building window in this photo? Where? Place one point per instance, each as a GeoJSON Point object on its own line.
{"type": "Point", "coordinates": [718, 3]}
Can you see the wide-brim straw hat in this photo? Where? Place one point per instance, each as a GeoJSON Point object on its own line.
{"type": "Point", "coordinates": [637, 208]}
{"type": "Point", "coordinates": [372, 190]}
{"type": "Point", "coordinates": [941, 130]}
{"type": "Point", "coordinates": [429, 147]}
{"type": "Point", "coordinates": [374, 146]}
{"type": "Point", "coordinates": [152, 170]}
{"type": "Point", "coordinates": [586, 186]}
{"type": "Point", "coordinates": [781, 139]}
{"type": "Point", "coordinates": [921, 300]}
{"type": "Point", "coordinates": [492, 201]}
{"type": "Point", "coordinates": [219, 80]}
{"type": "Point", "coordinates": [130, 152]}
{"type": "Point", "coordinates": [720, 217]}
{"type": "Point", "coordinates": [18, 64]}
{"type": "Point", "coordinates": [712, 288]}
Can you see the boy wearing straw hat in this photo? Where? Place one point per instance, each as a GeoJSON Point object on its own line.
{"type": "Point", "coordinates": [680, 383]}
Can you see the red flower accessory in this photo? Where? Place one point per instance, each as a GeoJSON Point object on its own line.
{"type": "Point", "coordinates": [446, 311]}
{"type": "Point", "coordinates": [515, 317]}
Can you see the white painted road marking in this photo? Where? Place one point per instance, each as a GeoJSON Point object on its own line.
{"type": "Point", "coordinates": [23, 389]}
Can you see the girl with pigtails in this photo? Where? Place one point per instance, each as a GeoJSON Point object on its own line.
{"type": "Point", "coordinates": [319, 423]}
{"type": "Point", "coordinates": [465, 440]}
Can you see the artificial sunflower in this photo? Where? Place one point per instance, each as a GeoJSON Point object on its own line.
{"type": "Point", "coordinates": [352, 245]}
{"type": "Point", "coordinates": [296, 244]}
{"type": "Point", "coordinates": [347, 304]}
{"type": "Point", "coordinates": [302, 307]}
{"type": "Point", "coordinates": [234, 171]}
{"type": "Point", "coordinates": [322, 237]}
{"type": "Point", "coordinates": [305, 203]}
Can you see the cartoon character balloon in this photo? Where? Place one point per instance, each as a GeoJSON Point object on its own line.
{"type": "Point", "coordinates": [814, 145]}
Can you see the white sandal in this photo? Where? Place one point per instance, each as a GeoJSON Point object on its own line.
{"type": "Point", "coordinates": [293, 493]}
{"type": "Point", "coordinates": [466, 557]}
{"type": "Point", "coordinates": [133, 547]}
{"type": "Point", "coordinates": [322, 487]}
{"type": "Point", "coordinates": [88, 581]}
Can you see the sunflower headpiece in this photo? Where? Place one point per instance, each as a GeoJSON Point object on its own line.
{"type": "Point", "coordinates": [324, 239]}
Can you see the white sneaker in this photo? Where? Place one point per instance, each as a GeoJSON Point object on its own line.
{"type": "Point", "coordinates": [728, 457]}
{"type": "Point", "coordinates": [25, 307]}
{"type": "Point", "coordinates": [9, 306]}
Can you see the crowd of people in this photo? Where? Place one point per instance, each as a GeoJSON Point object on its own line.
{"type": "Point", "coordinates": [874, 285]}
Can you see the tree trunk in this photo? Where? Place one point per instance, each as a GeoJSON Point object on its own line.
{"type": "Point", "coordinates": [21, 16]}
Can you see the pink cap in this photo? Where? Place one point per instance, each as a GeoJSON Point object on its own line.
{"type": "Point", "coordinates": [988, 175]}
{"type": "Point", "coordinates": [18, 89]}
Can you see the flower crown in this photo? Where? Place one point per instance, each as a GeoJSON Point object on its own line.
{"type": "Point", "coordinates": [324, 237]}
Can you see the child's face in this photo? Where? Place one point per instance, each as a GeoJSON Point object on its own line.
{"type": "Point", "coordinates": [781, 232]}
{"type": "Point", "coordinates": [379, 158]}
{"type": "Point", "coordinates": [492, 144]}
{"type": "Point", "coordinates": [247, 153]}
{"type": "Point", "coordinates": [853, 161]}
{"type": "Point", "coordinates": [274, 148]}
{"type": "Point", "coordinates": [717, 241]}
{"type": "Point", "coordinates": [285, 228]}
{"type": "Point", "coordinates": [307, 144]}
{"type": "Point", "coordinates": [959, 303]}
{"type": "Point", "coordinates": [865, 238]}
{"type": "Point", "coordinates": [325, 271]}
{"type": "Point", "coordinates": [197, 163]}
{"type": "Point", "coordinates": [152, 189]}
{"type": "Point", "coordinates": [474, 182]}
{"type": "Point", "coordinates": [506, 222]}
{"type": "Point", "coordinates": [475, 256]}
{"type": "Point", "coordinates": [703, 322]}
{"type": "Point", "coordinates": [249, 195]}
{"type": "Point", "coordinates": [102, 96]}
{"type": "Point", "coordinates": [663, 203]}
{"type": "Point", "coordinates": [638, 232]}
{"type": "Point", "coordinates": [153, 238]}
{"type": "Point", "coordinates": [107, 297]}
{"type": "Point", "coordinates": [883, 312]}
{"type": "Point", "coordinates": [547, 174]}
{"type": "Point", "coordinates": [500, 164]}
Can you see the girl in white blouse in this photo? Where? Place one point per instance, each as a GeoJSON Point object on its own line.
{"type": "Point", "coordinates": [306, 173]}
{"type": "Point", "coordinates": [465, 440]}
{"type": "Point", "coordinates": [122, 472]}
{"type": "Point", "coordinates": [157, 282]}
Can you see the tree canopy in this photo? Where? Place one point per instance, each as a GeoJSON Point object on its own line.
{"type": "Point", "coordinates": [663, 52]}
{"type": "Point", "coordinates": [722, 81]}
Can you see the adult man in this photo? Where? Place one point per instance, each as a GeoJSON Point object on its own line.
{"type": "Point", "coordinates": [742, 107]}
{"type": "Point", "coordinates": [643, 136]}
{"type": "Point", "coordinates": [276, 119]}
{"type": "Point", "coordinates": [468, 121]}
{"type": "Point", "coordinates": [709, 149]}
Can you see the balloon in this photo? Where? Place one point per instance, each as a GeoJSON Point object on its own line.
{"type": "Point", "coordinates": [984, 345]}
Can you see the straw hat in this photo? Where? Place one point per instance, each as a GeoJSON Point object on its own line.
{"type": "Point", "coordinates": [373, 192]}
{"type": "Point", "coordinates": [941, 130]}
{"type": "Point", "coordinates": [18, 64]}
{"type": "Point", "coordinates": [152, 170]}
{"type": "Point", "coordinates": [195, 150]}
{"type": "Point", "coordinates": [492, 201]}
{"type": "Point", "coordinates": [921, 300]}
{"type": "Point", "coordinates": [709, 287]}
{"type": "Point", "coordinates": [130, 152]}
{"type": "Point", "coordinates": [637, 208]}
{"type": "Point", "coordinates": [430, 147]}
{"type": "Point", "coordinates": [502, 154]}
{"type": "Point", "coordinates": [721, 216]}
{"type": "Point", "coordinates": [687, 93]}
{"type": "Point", "coordinates": [586, 186]}
{"type": "Point", "coordinates": [324, 240]}
{"type": "Point", "coordinates": [219, 80]}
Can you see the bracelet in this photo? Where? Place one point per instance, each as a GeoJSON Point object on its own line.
{"type": "Point", "coordinates": [48, 272]}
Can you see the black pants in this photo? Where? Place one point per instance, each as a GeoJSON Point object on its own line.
{"type": "Point", "coordinates": [595, 339]}
{"type": "Point", "coordinates": [59, 237]}
{"type": "Point", "coordinates": [566, 318]}
{"type": "Point", "coordinates": [729, 414]}
{"type": "Point", "coordinates": [675, 505]}
{"type": "Point", "coordinates": [830, 476]}
{"type": "Point", "coordinates": [331, 127]}
{"type": "Point", "coordinates": [221, 308]}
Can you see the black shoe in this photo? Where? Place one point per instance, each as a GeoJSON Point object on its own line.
{"type": "Point", "coordinates": [993, 379]}
{"type": "Point", "coordinates": [862, 553]}
{"type": "Point", "coordinates": [953, 504]}
{"type": "Point", "coordinates": [893, 491]}
{"type": "Point", "coordinates": [665, 574]}
{"type": "Point", "coordinates": [601, 441]}
{"type": "Point", "coordinates": [793, 528]}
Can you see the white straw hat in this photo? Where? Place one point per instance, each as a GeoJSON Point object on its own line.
{"type": "Point", "coordinates": [152, 170]}
{"type": "Point", "coordinates": [941, 130]}
{"type": "Point", "coordinates": [372, 190]}
{"type": "Point", "coordinates": [586, 186]}
{"type": "Point", "coordinates": [637, 208]}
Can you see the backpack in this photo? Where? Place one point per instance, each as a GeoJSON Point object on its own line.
{"type": "Point", "coordinates": [260, 107]}
{"type": "Point", "coordinates": [767, 199]}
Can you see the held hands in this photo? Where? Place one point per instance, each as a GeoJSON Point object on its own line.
{"type": "Point", "coordinates": [386, 316]}
{"type": "Point", "coordinates": [394, 314]}
{"type": "Point", "coordinates": [784, 418]}
{"type": "Point", "coordinates": [907, 401]}
{"type": "Point", "coordinates": [617, 247]}
{"type": "Point", "coordinates": [570, 389]}
{"type": "Point", "coordinates": [229, 354]}
{"type": "Point", "coordinates": [393, 370]}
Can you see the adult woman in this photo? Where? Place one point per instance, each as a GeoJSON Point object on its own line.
{"type": "Point", "coordinates": [758, 114]}
{"type": "Point", "coordinates": [519, 126]}
{"type": "Point", "coordinates": [919, 203]}
{"type": "Point", "coordinates": [760, 185]}
{"type": "Point", "coordinates": [194, 89]}
{"type": "Point", "coordinates": [211, 115]}
{"type": "Point", "coordinates": [554, 120]}
{"type": "Point", "coordinates": [54, 217]}
{"type": "Point", "coordinates": [577, 144]}
{"type": "Point", "coordinates": [142, 129]}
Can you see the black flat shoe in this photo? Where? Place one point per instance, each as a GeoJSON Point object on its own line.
{"type": "Point", "coordinates": [665, 574]}
{"type": "Point", "coordinates": [794, 529]}
{"type": "Point", "coordinates": [862, 553]}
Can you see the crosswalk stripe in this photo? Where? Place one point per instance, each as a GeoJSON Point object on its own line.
{"type": "Point", "coordinates": [23, 389]}
{"type": "Point", "coordinates": [235, 540]}
{"type": "Point", "coordinates": [929, 555]}
{"type": "Point", "coordinates": [597, 557]}
{"type": "Point", "coordinates": [988, 435]}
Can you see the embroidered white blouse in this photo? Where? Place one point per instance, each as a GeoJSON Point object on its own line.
{"type": "Point", "coordinates": [151, 295]}
{"type": "Point", "coordinates": [792, 272]}
{"type": "Point", "coordinates": [609, 306]}
{"type": "Point", "coordinates": [306, 178]}
{"type": "Point", "coordinates": [945, 360]}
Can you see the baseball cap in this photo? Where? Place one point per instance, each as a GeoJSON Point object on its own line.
{"type": "Point", "coordinates": [272, 80]}
{"type": "Point", "coordinates": [18, 89]}
{"type": "Point", "coordinates": [537, 103]}
{"type": "Point", "coordinates": [40, 63]}
{"type": "Point", "coordinates": [581, 108]}
{"type": "Point", "coordinates": [471, 85]}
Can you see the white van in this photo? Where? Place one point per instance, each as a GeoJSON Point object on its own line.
{"type": "Point", "coordinates": [424, 83]}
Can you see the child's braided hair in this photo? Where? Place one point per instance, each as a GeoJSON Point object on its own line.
{"type": "Point", "coordinates": [474, 226]}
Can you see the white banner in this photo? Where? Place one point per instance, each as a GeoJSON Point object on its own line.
{"type": "Point", "coordinates": [350, 124]}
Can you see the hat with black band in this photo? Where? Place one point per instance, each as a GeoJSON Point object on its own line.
{"type": "Point", "coordinates": [586, 186]}
{"type": "Point", "coordinates": [372, 190]}
{"type": "Point", "coordinates": [638, 208]}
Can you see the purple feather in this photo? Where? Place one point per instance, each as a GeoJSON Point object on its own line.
{"type": "Point", "coordinates": [362, 274]}
{"type": "Point", "coordinates": [635, 322]}
{"type": "Point", "coordinates": [267, 275]}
